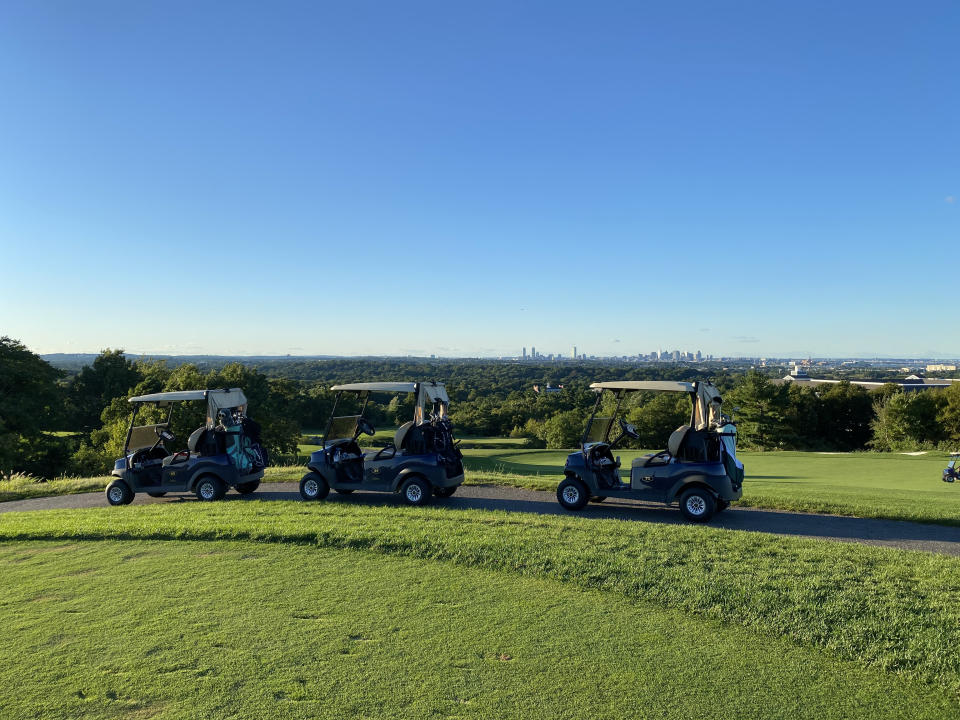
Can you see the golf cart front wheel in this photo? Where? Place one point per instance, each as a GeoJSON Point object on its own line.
{"type": "Point", "coordinates": [697, 505]}
{"type": "Point", "coordinates": [445, 492]}
{"type": "Point", "coordinates": [416, 491]}
{"type": "Point", "coordinates": [119, 493]}
{"type": "Point", "coordinates": [210, 488]}
{"type": "Point", "coordinates": [572, 494]}
{"type": "Point", "coordinates": [314, 487]}
{"type": "Point", "coordinates": [248, 487]}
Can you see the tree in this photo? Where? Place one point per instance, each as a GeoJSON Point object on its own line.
{"type": "Point", "coordinates": [908, 420]}
{"type": "Point", "coordinates": [28, 387]}
{"type": "Point", "coordinates": [761, 419]}
{"type": "Point", "coordinates": [846, 412]}
{"type": "Point", "coordinates": [563, 430]}
{"type": "Point", "coordinates": [111, 375]}
{"type": "Point", "coordinates": [950, 412]}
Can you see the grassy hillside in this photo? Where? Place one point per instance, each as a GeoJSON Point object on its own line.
{"type": "Point", "coordinates": [252, 630]}
{"type": "Point", "coordinates": [890, 610]}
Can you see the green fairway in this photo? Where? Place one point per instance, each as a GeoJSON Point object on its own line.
{"type": "Point", "coordinates": [887, 609]}
{"type": "Point", "coordinates": [246, 630]}
{"type": "Point", "coordinates": [882, 485]}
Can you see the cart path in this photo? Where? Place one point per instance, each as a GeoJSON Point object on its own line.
{"type": "Point", "coordinates": [885, 533]}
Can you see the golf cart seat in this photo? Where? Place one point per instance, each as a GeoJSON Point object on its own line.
{"type": "Point", "coordinates": [195, 438]}
{"type": "Point", "coordinates": [677, 438]}
{"type": "Point", "coordinates": [176, 458]}
{"type": "Point", "coordinates": [401, 435]}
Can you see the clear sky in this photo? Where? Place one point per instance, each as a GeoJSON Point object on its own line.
{"type": "Point", "coordinates": [744, 178]}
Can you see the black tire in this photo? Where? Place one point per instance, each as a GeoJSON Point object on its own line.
{"type": "Point", "coordinates": [343, 491]}
{"type": "Point", "coordinates": [598, 498]}
{"type": "Point", "coordinates": [210, 488]}
{"type": "Point", "coordinates": [157, 494]}
{"type": "Point", "coordinates": [313, 486]}
{"type": "Point", "coordinates": [697, 505]}
{"type": "Point", "coordinates": [416, 491]}
{"type": "Point", "coordinates": [119, 493]}
{"type": "Point", "coordinates": [722, 505]}
{"type": "Point", "coordinates": [572, 494]}
{"type": "Point", "coordinates": [445, 492]}
{"type": "Point", "coordinates": [248, 487]}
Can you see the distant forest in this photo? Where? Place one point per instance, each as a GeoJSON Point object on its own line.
{"type": "Point", "coordinates": [72, 419]}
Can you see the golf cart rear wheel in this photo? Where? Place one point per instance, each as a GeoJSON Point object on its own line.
{"type": "Point", "coordinates": [343, 491]}
{"type": "Point", "coordinates": [697, 505]}
{"type": "Point", "coordinates": [248, 487]}
{"type": "Point", "coordinates": [572, 494]}
{"type": "Point", "coordinates": [598, 498]}
{"type": "Point", "coordinates": [314, 487]}
{"type": "Point", "coordinates": [445, 492]}
{"type": "Point", "coordinates": [210, 488]}
{"type": "Point", "coordinates": [119, 493]}
{"type": "Point", "coordinates": [416, 491]}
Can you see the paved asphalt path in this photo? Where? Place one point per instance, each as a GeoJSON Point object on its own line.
{"type": "Point", "coordinates": [884, 533]}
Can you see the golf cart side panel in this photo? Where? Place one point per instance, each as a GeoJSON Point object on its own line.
{"type": "Point", "coordinates": [217, 465]}
{"type": "Point", "coordinates": [719, 483]}
{"type": "Point", "coordinates": [427, 466]}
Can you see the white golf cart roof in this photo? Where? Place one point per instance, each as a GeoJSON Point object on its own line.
{"type": "Point", "coordinates": [232, 397]}
{"type": "Point", "coordinates": [654, 385]}
{"type": "Point", "coordinates": [433, 390]}
{"type": "Point", "coordinates": [706, 404]}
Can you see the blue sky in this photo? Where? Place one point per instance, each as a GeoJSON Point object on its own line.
{"type": "Point", "coordinates": [469, 178]}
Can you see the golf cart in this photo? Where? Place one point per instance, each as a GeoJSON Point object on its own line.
{"type": "Point", "coordinates": [699, 468]}
{"type": "Point", "coordinates": [951, 472]}
{"type": "Point", "coordinates": [223, 452]}
{"type": "Point", "coordinates": [422, 460]}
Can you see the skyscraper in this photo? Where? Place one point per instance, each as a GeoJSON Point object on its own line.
{"type": "Point", "coordinates": [574, 353]}
{"type": "Point", "coordinates": [524, 353]}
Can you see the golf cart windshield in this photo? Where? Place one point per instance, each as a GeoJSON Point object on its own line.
{"type": "Point", "coordinates": [341, 428]}
{"type": "Point", "coordinates": [145, 436]}
{"type": "Point", "coordinates": [598, 430]}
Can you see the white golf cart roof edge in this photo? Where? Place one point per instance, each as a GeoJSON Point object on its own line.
{"type": "Point", "coordinates": [654, 385]}
{"type": "Point", "coordinates": [408, 387]}
{"type": "Point", "coordinates": [186, 395]}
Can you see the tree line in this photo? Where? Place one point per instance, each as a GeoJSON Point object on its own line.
{"type": "Point", "coordinates": [54, 423]}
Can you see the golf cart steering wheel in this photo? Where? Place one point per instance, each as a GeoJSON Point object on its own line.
{"type": "Point", "coordinates": [364, 426]}
{"type": "Point", "coordinates": [629, 430]}
{"type": "Point", "coordinates": [165, 434]}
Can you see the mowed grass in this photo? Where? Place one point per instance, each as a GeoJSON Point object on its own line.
{"type": "Point", "coordinates": [886, 609]}
{"type": "Point", "coordinates": [174, 629]}
{"type": "Point", "coordinates": [878, 485]}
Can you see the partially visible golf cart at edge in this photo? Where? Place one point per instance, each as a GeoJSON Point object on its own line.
{"type": "Point", "coordinates": [222, 453]}
{"type": "Point", "coordinates": [422, 461]}
{"type": "Point", "coordinates": [699, 469]}
{"type": "Point", "coordinates": [951, 472]}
